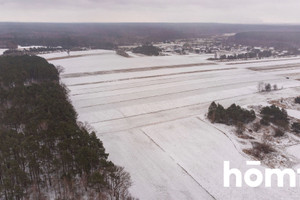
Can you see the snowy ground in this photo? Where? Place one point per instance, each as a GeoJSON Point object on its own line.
{"type": "Point", "coordinates": [1, 51]}
{"type": "Point", "coordinates": [150, 114]}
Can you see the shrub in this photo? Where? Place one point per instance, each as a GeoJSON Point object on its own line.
{"type": "Point", "coordinates": [268, 87]}
{"type": "Point", "coordinates": [297, 100]}
{"type": "Point", "coordinates": [278, 132]}
{"type": "Point", "coordinates": [296, 127]}
{"type": "Point", "coordinates": [240, 128]}
{"type": "Point", "coordinates": [265, 121]}
{"type": "Point", "coordinates": [263, 148]}
{"type": "Point", "coordinates": [256, 126]}
{"type": "Point", "coordinates": [259, 150]}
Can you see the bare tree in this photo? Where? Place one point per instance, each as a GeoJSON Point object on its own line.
{"type": "Point", "coordinates": [268, 87]}
{"type": "Point", "coordinates": [120, 183]}
{"type": "Point", "coordinates": [60, 69]}
{"type": "Point", "coordinates": [260, 86]}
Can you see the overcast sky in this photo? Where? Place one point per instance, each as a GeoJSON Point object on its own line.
{"type": "Point", "coordinates": [226, 11]}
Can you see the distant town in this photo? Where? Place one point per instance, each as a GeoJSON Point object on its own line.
{"type": "Point", "coordinates": [220, 47]}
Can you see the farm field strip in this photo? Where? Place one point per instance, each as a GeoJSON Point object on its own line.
{"type": "Point", "coordinates": [176, 93]}
{"type": "Point", "coordinates": [283, 72]}
{"type": "Point", "coordinates": [276, 67]}
{"type": "Point", "coordinates": [263, 61]}
{"type": "Point", "coordinates": [162, 83]}
{"type": "Point", "coordinates": [139, 75]}
{"type": "Point", "coordinates": [153, 81]}
{"type": "Point", "coordinates": [272, 63]}
{"type": "Point", "coordinates": [109, 60]}
{"type": "Point", "coordinates": [143, 69]}
{"type": "Point", "coordinates": [113, 79]}
{"type": "Point", "coordinates": [172, 88]}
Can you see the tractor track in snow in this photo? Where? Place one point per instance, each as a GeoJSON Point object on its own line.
{"type": "Point", "coordinates": [141, 69]}
{"type": "Point", "coordinates": [261, 61]}
{"type": "Point", "coordinates": [152, 76]}
{"type": "Point", "coordinates": [75, 56]}
{"type": "Point", "coordinates": [154, 82]}
{"type": "Point", "coordinates": [161, 95]}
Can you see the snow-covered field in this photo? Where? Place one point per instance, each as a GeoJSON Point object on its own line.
{"type": "Point", "coordinates": [150, 114]}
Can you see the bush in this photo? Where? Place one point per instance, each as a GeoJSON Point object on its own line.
{"type": "Point", "coordinates": [268, 87]}
{"type": "Point", "coordinates": [256, 126]}
{"type": "Point", "coordinates": [265, 121]}
{"type": "Point", "coordinates": [296, 127]}
{"type": "Point", "coordinates": [259, 150]}
{"type": "Point", "coordinates": [278, 132]}
{"type": "Point", "coordinates": [240, 128]}
{"type": "Point", "coordinates": [297, 100]}
{"type": "Point", "coordinates": [263, 148]}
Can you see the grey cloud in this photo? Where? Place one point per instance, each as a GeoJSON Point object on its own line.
{"type": "Point", "coordinates": [235, 11]}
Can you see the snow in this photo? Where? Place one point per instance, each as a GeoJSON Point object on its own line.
{"type": "Point", "coordinates": [2, 51]}
{"type": "Point", "coordinates": [109, 60]}
{"type": "Point", "coordinates": [293, 113]}
{"type": "Point", "coordinates": [294, 151]}
{"type": "Point", "coordinates": [64, 54]}
{"type": "Point", "coordinates": [151, 120]}
{"type": "Point", "coordinates": [29, 47]}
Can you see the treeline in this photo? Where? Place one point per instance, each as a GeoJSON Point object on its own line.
{"type": "Point", "coordinates": [110, 35]}
{"type": "Point", "coordinates": [43, 149]}
{"type": "Point", "coordinates": [122, 53]}
{"type": "Point", "coordinates": [279, 39]}
{"type": "Point", "coordinates": [33, 51]}
{"type": "Point", "coordinates": [239, 117]}
{"type": "Point", "coordinates": [253, 54]}
{"type": "Point", "coordinates": [233, 115]}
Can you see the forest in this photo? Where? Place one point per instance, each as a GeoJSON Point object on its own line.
{"type": "Point", "coordinates": [279, 39]}
{"type": "Point", "coordinates": [45, 152]}
{"type": "Point", "coordinates": [111, 35]}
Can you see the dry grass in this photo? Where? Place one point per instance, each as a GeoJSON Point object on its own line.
{"type": "Point", "coordinates": [259, 150]}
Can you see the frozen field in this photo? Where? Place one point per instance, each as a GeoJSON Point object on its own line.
{"type": "Point", "coordinates": [150, 114]}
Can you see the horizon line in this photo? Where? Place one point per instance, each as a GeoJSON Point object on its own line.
{"type": "Point", "coordinates": [229, 23]}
